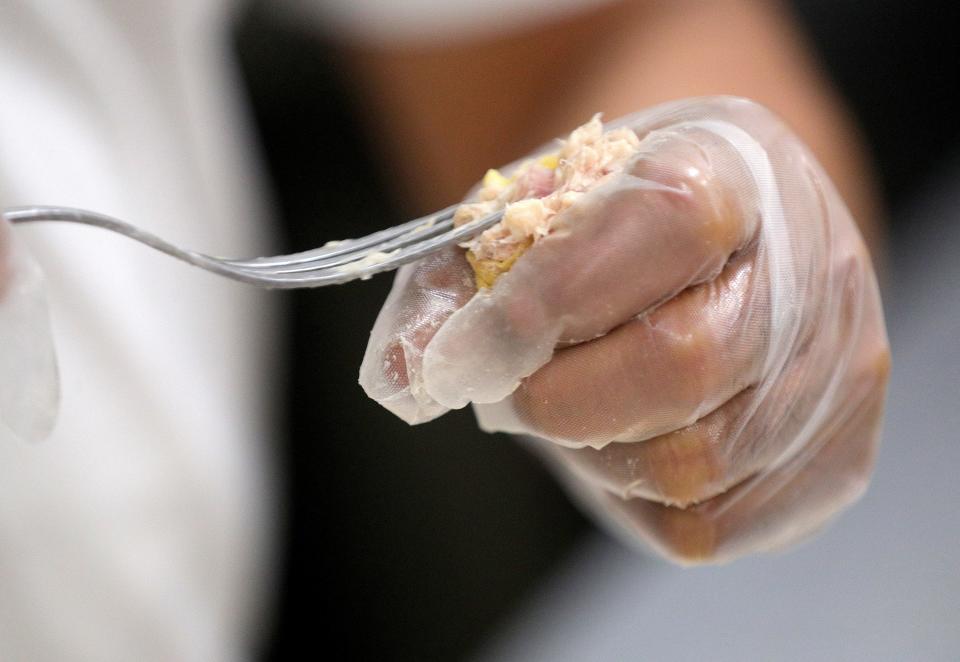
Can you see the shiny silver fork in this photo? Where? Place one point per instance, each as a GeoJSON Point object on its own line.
{"type": "Point", "coordinates": [332, 264]}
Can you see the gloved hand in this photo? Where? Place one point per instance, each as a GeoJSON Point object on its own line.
{"type": "Point", "coordinates": [698, 343]}
{"type": "Point", "coordinates": [29, 392]}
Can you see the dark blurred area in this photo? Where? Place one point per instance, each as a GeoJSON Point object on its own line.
{"type": "Point", "coordinates": [406, 543]}
{"type": "Point", "coordinates": [414, 543]}
{"type": "Point", "coordinates": [896, 64]}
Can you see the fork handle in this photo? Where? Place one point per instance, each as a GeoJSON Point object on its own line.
{"type": "Point", "coordinates": [21, 215]}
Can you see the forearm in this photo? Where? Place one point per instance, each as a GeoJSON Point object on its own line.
{"type": "Point", "coordinates": [445, 114]}
{"type": "Point", "coordinates": [737, 47]}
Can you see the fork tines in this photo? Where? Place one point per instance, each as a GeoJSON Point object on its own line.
{"type": "Point", "coordinates": [340, 262]}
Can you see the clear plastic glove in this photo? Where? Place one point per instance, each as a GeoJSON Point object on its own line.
{"type": "Point", "coordinates": [29, 387]}
{"type": "Point", "coordinates": [698, 343]}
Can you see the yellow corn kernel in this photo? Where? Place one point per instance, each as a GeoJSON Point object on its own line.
{"type": "Point", "coordinates": [493, 179]}
{"type": "Point", "coordinates": [550, 161]}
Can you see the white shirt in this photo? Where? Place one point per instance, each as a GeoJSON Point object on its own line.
{"type": "Point", "coordinates": [141, 530]}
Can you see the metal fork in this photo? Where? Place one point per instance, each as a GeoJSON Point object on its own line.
{"type": "Point", "coordinates": [331, 264]}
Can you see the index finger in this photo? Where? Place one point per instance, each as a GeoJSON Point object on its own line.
{"type": "Point", "coordinates": [673, 219]}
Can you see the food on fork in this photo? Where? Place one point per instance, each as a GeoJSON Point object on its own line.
{"type": "Point", "coordinates": [536, 192]}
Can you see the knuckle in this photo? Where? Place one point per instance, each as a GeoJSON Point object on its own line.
{"type": "Point", "coordinates": [695, 195]}
{"type": "Point", "coordinates": [721, 224]}
{"type": "Point", "coordinates": [687, 536]}
{"type": "Point", "coordinates": [684, 467]}
{"type": "Point", "coordinates": [678, 469]}
{"type": "Point", "coordinates": [872, 359]}
{"type": "Point", "coordinates": [701, 461]}
{"type": "Point", "coordinates": [882, 364]}
{"type": "Point", "coordinates": [693, 364]}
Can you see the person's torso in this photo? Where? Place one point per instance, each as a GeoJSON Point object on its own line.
{"type": "Point", "coordinates": [128, 108]}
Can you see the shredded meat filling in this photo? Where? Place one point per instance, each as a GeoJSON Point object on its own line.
{"type": "Point", "coordinates": [536, 192]}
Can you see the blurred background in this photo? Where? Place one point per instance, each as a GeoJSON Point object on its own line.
{"type": "Point", "coordinates": [441, 542]}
